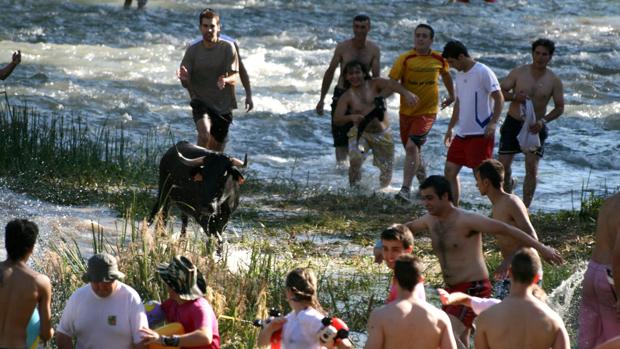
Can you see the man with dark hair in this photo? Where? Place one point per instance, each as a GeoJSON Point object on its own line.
{"type": "Point", "coordinates": [390, 326]}
{"type": "Point", "coordinates": [208, 71]}
{"type": "Point", "coordinates": [536, 84]}
{"type": "Point", "coordinates": [358, 48]}
{"type": "Point", "coordinates": [457, 241]}
{"type": "Point", "coordinates": [521, 320]}
{"type": "Point", "coordinates": [105, 313]}
{"type": "Point", "coordinates": [507, 208]}
{"type": "Point", "coordinates": [599, 313]}
{"type": "Point", "coordinates": [22, 290]}
{"type": "Point", "coordinates": [419, 70]}
{"type": "Point", "coordinates": [477, 108]}
{"type": "Point", "coordinates": [363, 105]}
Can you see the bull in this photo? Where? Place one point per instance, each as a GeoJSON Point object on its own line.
{"type": "Point", "coordinates": [202, 183]}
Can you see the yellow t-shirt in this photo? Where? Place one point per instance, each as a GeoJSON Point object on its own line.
{"type": "Point", "coordinates": [420, 75]}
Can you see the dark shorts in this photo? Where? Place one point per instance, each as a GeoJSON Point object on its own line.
{"type": "Point", "coordinates": [480, 289]}
{"type": "Point", "coordinates": [339, 132]}
{"type": "Point", "coordinates": [220, 123]}
{"type": "Point", "coordinates": [508, 143]}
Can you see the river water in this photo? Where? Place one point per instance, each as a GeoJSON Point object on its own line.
{"type": "Point", "coordinates": [114, 66]}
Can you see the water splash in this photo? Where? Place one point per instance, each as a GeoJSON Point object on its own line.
{"type": "Point", "coordinates": [565, 300]}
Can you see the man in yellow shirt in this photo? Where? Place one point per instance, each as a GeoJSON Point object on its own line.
{"type": "Point", "coordinates": [418, 70]}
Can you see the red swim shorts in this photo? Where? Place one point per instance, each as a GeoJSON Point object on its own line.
{"type": "Point", "coordinates": [480, 289]}
{"type": "Point", "coordinates": [416, 127]}
{"type": "Point", "coordinates": [470, 151]}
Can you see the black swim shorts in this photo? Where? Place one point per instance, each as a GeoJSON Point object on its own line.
{"type": "Point", "coordinates": [339, 132]}
{"type": "Point", "coordinates": [220, 123]}
{"type": "Point", "coordinates": [508, 143]}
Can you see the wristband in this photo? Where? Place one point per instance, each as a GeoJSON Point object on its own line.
{"type": "Point", "coordinates": [170, 341]}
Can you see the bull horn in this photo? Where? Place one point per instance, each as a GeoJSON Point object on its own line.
{"type": "Point", "coordinates": [239, 163]}
{"type": "Point", "coordinates": [245, 161]}
{"type": "Point", "coordinates": [199, 161]}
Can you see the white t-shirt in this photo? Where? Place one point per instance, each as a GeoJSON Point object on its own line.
{"type": "Point", "coordinates": [301, 329]}
{"type": "Point", "coordinates": [473, 90]}
{"type": "Point", "coordinates": [104, 323]}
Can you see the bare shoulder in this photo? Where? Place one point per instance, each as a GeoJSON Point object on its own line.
{"type": "Point", "coordinates": [42, 280]}
{"type": "Point", "coordinates": [373, 46]}
{"type": "Point", "coordinates": [520, 71]}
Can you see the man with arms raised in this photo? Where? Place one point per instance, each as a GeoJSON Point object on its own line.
{"type": "Point", "coordinates": [209, 71]}
{"type": "Point", "coordinates": [507, 208]}
{"type": "Point", "coordinates": [521, 320]}
{"type": "Point", "coordinates": [419, 70]}
{"type": "Point", "coordinates": [360, 49]}
{"type": "Point", "coordinates": [539, 84]}
{"type": "Point", "coordinates": [477, 108]}
{"type": "Point", "coordinates": [22, 290]}
{"type": "Point", "coordinates": [408, 322]}
{"type": "Point", "coordinates": [363, 104]}
{"type": "Point", "coordinates": [457, 242]}
{"type": "Point", "coordinates": [599, 314]}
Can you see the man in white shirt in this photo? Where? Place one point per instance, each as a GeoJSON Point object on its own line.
{"type": "Point", "coordinates": [477, 108]}
{"type": "Point", "coordinates": [103, 314]}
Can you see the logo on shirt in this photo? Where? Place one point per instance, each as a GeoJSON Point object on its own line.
{"type": "Point", "coordinates": [112, 320]}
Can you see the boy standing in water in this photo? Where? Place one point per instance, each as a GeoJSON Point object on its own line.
{"type": "Point", "coordinates": [21, 288]}
{"type": "Point", "coordinates": [358, 48]}
{"type": "Point", "coordinates": [536, 82]}
{"type": "Point", "coordinates": [363, 104]}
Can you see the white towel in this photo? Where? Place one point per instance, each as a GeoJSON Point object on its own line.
{"type": "Point", "coordinates": [528, 141]}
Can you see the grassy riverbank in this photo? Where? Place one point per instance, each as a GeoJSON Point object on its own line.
{"type": "Point", "coordinates": [280, 224]}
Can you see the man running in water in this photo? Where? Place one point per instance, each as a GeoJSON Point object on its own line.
{"type": "Point", "coordinates": [360, 49]}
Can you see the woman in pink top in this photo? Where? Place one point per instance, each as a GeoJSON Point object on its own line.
{"type": "Point", "coordinates": [186, 305]}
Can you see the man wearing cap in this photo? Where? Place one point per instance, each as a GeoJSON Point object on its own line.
{"type": "Point", "coordinates": [105, 313]}
{"type": "Point", "coordinates": [186, 305]}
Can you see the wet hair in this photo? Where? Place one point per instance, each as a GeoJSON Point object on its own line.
{"type": "Point", "coordinates": [398, 232]}
{"type": "Point", "coordinates": [20, 236]}
{"type": "Point", "coordinates": [426, 26]}
{"type": "Point", "coordinates": [525, 265]}
{"type": "Point", "coordinates": [453, 49]}
{"type": "Point", "coordinates": [302, 283]}
{"type": "Point", "coordinates": [354, 64]}
{"type": "Point", "coordinates": [361, 18]}
{"type": "Point", "coordinates": [439, 183]}
{"type": "Point", "coordinates": [492, 170]}
{"type": "Point", "coordinates": [408, 271]}
{"type": "Point", "coordinates": [208, 13]}
{"type": "Point", "coordinates": [546, 43]}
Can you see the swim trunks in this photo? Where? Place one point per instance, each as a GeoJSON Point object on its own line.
{"type": "Point", "coordinates": [501, 288]}
{"type": "Point", "coordinates": [597, 314]}
{"type": "Point", "coordinates": [339, 132]}
{"type": "Point", "coordinates": [381, 145]}
{"type": "Point", "coordinates": [416, 128]}
{"type": "Point", "coordinates": [480, 289]}
{"type": "Point", "coordinates": [220, 123]}
{"type": "Point", "coordinates": [470, 151]}
{"type": "Point", "coordinates": [508, 143]}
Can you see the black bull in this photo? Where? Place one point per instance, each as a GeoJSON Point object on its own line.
{"type": "Point", "coordinates": [202, 183]}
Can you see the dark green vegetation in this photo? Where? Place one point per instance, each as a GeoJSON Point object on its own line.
{"type": "Point", "coordinates": [284, 223]}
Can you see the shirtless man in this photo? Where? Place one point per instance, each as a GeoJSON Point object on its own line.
{"type": "Point", "coordinates": [360, 102]}
{"type": "Point", "coordinates": [22, 289]}
{"type": "Point", "coordinates": [538, 83]}
{"type": "Point", "coordinates": [358, 48]}
{"type": "Point", "coordinates": [521, 320]}
{"type": "Point", "coordinates": [599, 314]}
{"type": "Point", "coordinates": [507, 208]}
{"type": "Point", "coordinates": [391, 325]}
{"type": "Point", "coordinates": [457, 241]}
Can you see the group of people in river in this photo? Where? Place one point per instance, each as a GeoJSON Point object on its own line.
{"type": "Point", "coordinates": [106, 313]}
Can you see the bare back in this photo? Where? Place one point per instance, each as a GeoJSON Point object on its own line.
{"type": "Point", "coordinates": [512, 211]}
{"type": "Point", "coordinates": [20, 292]}
{"type": "Point", "coordinates": [368, 55]}
{"type": "Point", "coordinates": [540, 89]}
{"type": "Point", "coordinates": [518, 323]}
{"type": "Point", "coordinates": [458, 248]}
{"type": "Point", "coordinates": [395, 324]}
{"type": "Point", "coordinates": [607, 230]}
